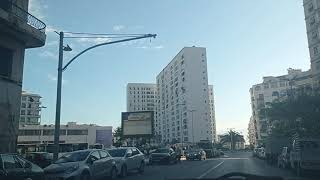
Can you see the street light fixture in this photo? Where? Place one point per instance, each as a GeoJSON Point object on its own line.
{"type": "Point", "coordinates": [62, 68]}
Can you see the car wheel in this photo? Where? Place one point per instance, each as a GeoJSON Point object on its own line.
{"type": "Point", "coordinates": [124, 171]}
{"type": "Point", "coordinates": [113, 173]}
{"type": "Point", "coordinates": [141, 168]}
{"type": "Point", "coordinates": [85, 176]}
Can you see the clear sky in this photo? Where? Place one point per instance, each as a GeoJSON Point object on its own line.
{"type": "Point", "coordinates": [245, 40]}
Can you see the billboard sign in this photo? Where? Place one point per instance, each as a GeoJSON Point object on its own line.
{"type": "Point", "coordinates": [137, 123]}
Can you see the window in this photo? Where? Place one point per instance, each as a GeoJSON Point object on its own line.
{"type": "Point", "coordinates": [312, 20]}
{"type": "Point", "coordinates": [48, 132]}
{"type": "Point", "coordinates": [315, 50]}
{"type": "Point", "coordinates": [23, 105]}
{"type": "Point", "coordinates": [29, 112]}
{"type": "Point", "coordinates": [257, 88]}
{"type": "Point", "coordinates": [104, 154]}
{"type": "Point", "coordinates": [314, 34]}
{"type": "Point", "coordinates": [282, 84]}
{"type": "Point", "coordinates": [29, 105]}
{"type": "Point", "coordinates": [274, 85]}
{"type": "Point", "coordinates": [266, 86]}
{"type": "Point", "coordinates": [23, 112]}
{"type": "Point", "coordinates": [95, 155]}
{"type": "Point", "coordinates": [10, 162]}
{"type": "Point", "coordinates": [6, 62]}
{"type": "Point", "coordinates": [135, 151]}
{"type": "Point", "coordinates": [310, 7]}
{"type": "Point", "coordinates": [78, 132]}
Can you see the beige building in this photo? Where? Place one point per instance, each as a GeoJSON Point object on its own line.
{"type": "Point", "coordinates": [252, 132]}
{"type": "Point", "coordinates": [312, 19]}
{"type": "Point", "coordinates": [30, 109]}
{"type": "Point", "coordinates": [141, 97]}
{"type": "Point", "coordinates": [69, 133]}
{"type": "Point", "coordinates": [19, 30]}
{"type": "Point", "coordinates": [275, 87]}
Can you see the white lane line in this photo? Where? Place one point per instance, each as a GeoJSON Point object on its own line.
{"type": "Point", "coordinates": [211, 169]}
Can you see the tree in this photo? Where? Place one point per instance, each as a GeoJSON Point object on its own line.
{"type": "Point", "coordinates": [231, 137]}
{"type": "Point", "coordinates": [118, 136]}
{"type": "Point", "coordinates": [296, 114]}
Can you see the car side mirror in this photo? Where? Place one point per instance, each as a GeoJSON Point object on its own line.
{"type": "Point", "coordinates": [91, 160]}
{"type": "Point", "coordinates": [128, 154]}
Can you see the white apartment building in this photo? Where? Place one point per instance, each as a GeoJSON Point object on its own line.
{"type": "Point", "coordinates": [141, 97]}
{"type": "Point", "coordinates": [30, 108]}
{"type": "Point", "coordinates": [212, 113]}
{"type": "Point", "coordinates": [273, 88]}
{"type": "Point", "coordinates": [69, 133]}
{"type": "Point", "coordinates": [312, 18]}
{"type": "Point", "coordinates": [183, 106]}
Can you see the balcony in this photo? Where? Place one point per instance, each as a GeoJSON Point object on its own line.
{"type": "Point", "coordinates": [17, 22]}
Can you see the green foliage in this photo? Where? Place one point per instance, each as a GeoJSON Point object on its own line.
{"type": "Point", "coordinates": [231, 137]}
{"type": "Point", "coordinates": [296, 114]}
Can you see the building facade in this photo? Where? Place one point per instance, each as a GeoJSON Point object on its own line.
{"type": "Point", "coordinates": [272, 88]}
{"type": "Point", "coordinates": [141, 97]}
{"type": "Point", "coordinates": [19, 30]}
{"type": "Point", "coordinates": [212, 112]}
{"type": "Point", "coordinates": [183, 106]}
{"type": "Point", "coordinates": [30, 109]}
{"type": "Point", "coordinates": [312, 19]}
{"type": "Point", "coordinates": [69, 133]}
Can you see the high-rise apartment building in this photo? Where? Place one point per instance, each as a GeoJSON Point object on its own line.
{"type": "Point", "coordinates": [183, 103]}
{"type": "Point", "coordinates": [312, 19]}
{"type": "Point", "coordinates": [275, 88]}
{"type": "Point", "coordinates": [30, 109]}
{"type": "Point", "coordinates": [141, 97]}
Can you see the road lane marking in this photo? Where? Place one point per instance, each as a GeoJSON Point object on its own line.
{"type": "Point", "coordinates": [211, 169]}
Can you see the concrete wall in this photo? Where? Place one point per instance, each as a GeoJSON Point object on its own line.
{"type": "Point", "coordinates": [10, 93]}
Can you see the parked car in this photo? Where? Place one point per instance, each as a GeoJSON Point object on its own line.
{"type": "Point", "coordinates": [42, 159]}
{"type": "Point", "coordinates": [84, 164]}
{"type": "Point", "coordinates": [15, 167]}
{"type": "Point", "coordinates": [128, 159]}
{"type": "Point", "coordinates": [163, 155]}
{"type": "Point", "coordinates": [198, 154]}
{"type": "Point", "coordinates": [284, 158]}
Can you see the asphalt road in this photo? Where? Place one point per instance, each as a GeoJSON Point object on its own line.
{"type": "Point", "coordinates": [211, 168]}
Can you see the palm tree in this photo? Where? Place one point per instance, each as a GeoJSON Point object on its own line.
{"type": "Point", "coordinates": [231, 137]}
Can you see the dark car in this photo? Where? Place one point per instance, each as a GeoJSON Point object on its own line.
{"type": "Point", "coordinates": [196, 154]}
{"type": "Point", "coordinates": [163, 155]}
{"type": "Point", "coordinates": [42, 159]}
{"type": "Point", "coordinates": [15, 167]}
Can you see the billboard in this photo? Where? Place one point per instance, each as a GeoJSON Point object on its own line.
{"type": "Point", "coordinates": [104, 136]}
{"type": "Point", "coordinates": [137, 123]}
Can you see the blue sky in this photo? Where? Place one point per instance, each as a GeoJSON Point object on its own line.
{"type": "Point", "coordinates": [245, 40]}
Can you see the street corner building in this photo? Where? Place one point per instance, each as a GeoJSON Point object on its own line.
{"type": "Point", "coordinates": [19, 30]}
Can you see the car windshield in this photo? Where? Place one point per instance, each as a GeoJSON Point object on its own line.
{"type": "Point", "coordinates": [73, 157]}
{"type": "Point", "coordinates": [162, 150]}
{"type": "Point", "coordinates": [117, 152]}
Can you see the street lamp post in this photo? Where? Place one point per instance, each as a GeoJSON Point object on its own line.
{"type": "Point", "coordinates": [61, 68]}
{"type": "Point", "coordinates": [40, 113]}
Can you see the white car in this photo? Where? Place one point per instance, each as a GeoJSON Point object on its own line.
{"type": "Point", "coordinates": [84, 164]}
{"type": "Point", "coordinates": [128, 159]}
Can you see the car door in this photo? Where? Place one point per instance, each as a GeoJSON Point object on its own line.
{"type": "Point", "coordinates": [95, 165]}
{"type": "Point", "coordinates": [28, 171]}
{"type": "Point", "coordinates": [13, 167]}
{"type": "Point", "coordinates": [107, 162]}
{"type": "Point", "coordinates": [130, 159]}
{"type": "Point", "coordinates": [136, 158]}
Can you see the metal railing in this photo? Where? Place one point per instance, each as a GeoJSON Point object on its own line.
{"type": "Point", "coordinates": [24, 15]}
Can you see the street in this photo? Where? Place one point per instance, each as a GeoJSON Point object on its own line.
{"type": "Point", "coordinates": [212, 168]}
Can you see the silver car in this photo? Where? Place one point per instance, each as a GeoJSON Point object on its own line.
{"type": "Point", "coordinates": [83, 164]}
{"type": "Point", "coordinates": [128, 159]}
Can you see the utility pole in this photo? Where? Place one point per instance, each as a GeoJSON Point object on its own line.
{"type": "Point", "coordinates": [58, 102]}
{"type": "Point", "coordinates": [62, 68]}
